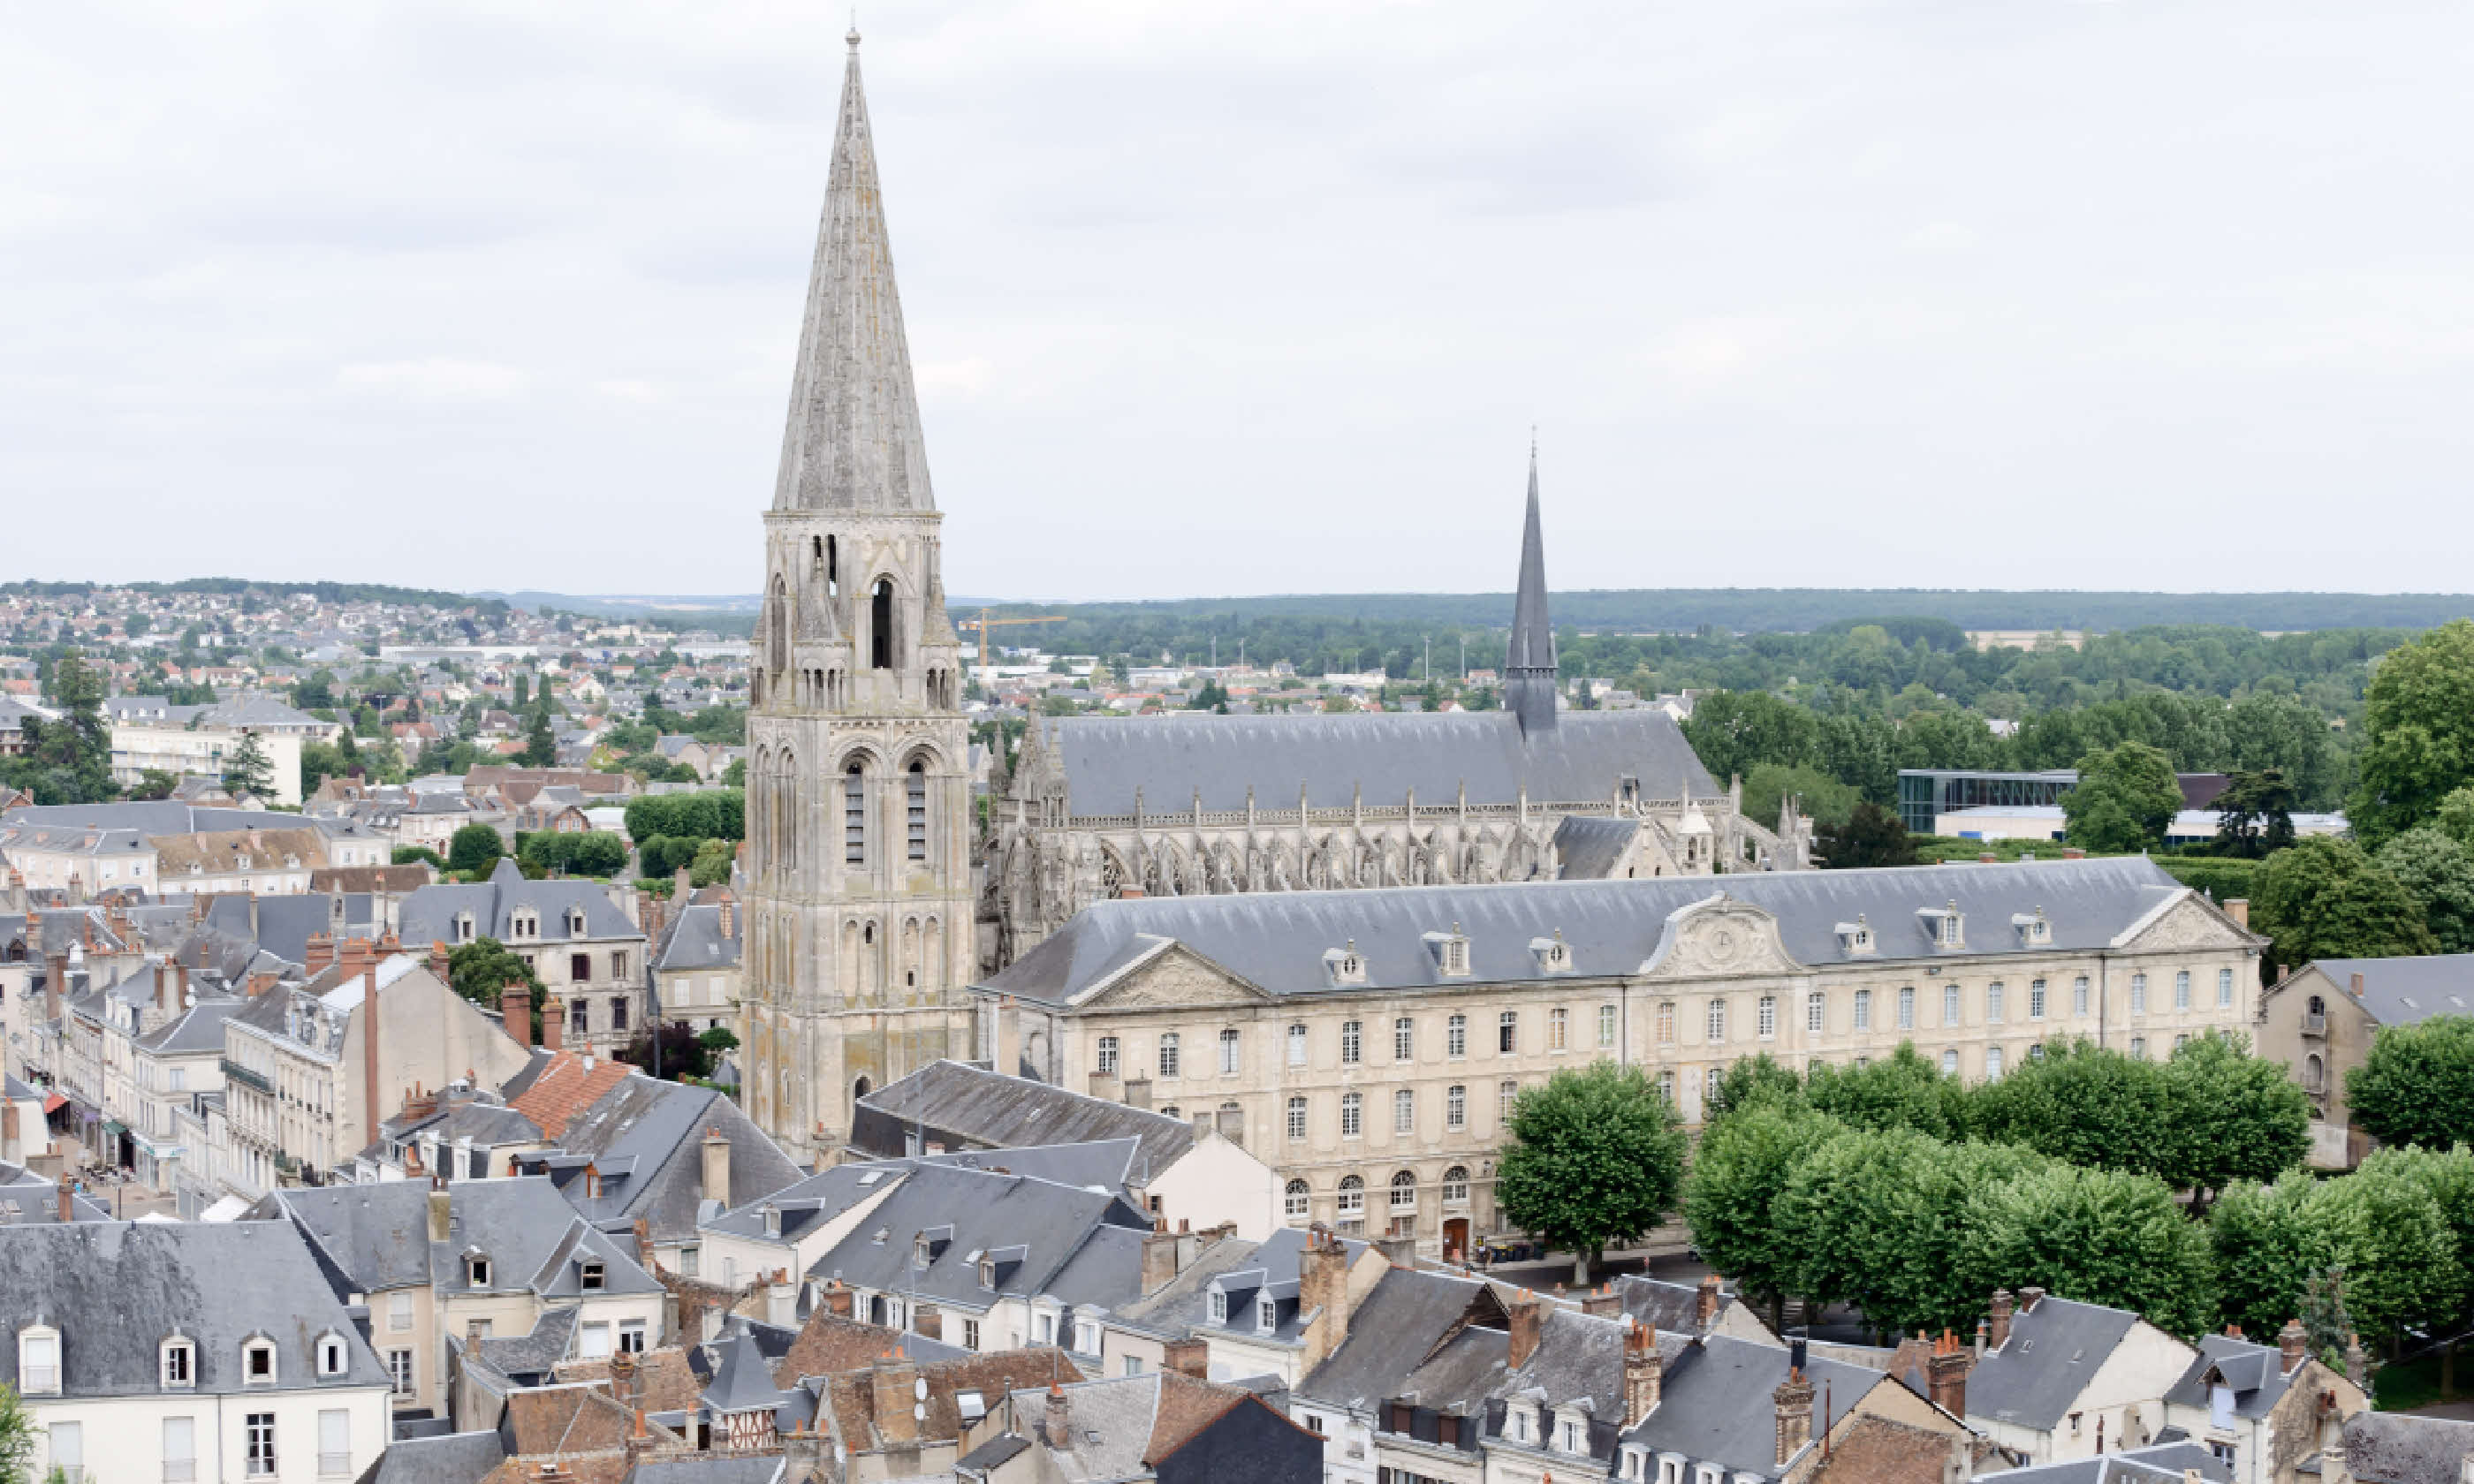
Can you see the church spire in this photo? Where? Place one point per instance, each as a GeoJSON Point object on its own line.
{"type": "Point", "coordinates": [852, 439]}
{"type": "Point", "coordinates": [1529, 671]}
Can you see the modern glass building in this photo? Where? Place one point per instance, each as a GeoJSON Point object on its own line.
{"type": "Point", "coordinates": [1926, 792]}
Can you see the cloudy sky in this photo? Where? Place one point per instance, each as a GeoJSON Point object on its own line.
{"type": "Point", "coordinates": [1216, 298]}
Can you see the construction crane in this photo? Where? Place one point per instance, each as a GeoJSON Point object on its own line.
{"type": "Point", "coordinates": [984, 623]}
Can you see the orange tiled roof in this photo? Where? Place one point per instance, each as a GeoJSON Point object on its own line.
{"type": "Point", "coordinates": [564, 1089]}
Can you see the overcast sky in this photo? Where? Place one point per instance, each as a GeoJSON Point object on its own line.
{"type": "Point", "coordinates": [1213, 298]}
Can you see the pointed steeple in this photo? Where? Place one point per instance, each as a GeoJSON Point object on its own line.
{"type": "Point", "coordinates": [1529, 671]}
{"type": "Point", "coordinates": [853, 440]}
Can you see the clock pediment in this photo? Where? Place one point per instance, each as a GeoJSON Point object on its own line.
{"type": "Point", "coordinates": [1719, 938]}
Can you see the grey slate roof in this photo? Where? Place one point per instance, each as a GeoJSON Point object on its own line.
{"type": "Point", "coordinates": [116, 1290]}
{"type": "Point", "coordinates": [428, 914]}
{"type": "Point", "coordinates": [31, 1198]}
{"type": "Point", "coordinates": [1382, 757]}
{"type": "Point", "coordinates": [195, 1031]}
{"type": "Point", "coordinates": [2406, 991]}
{"type": "Point", "coordinates": [694, 939]}
{"type": "Point", "coordinates": [528, 1359]}
{"type": "Point", "coordinates": [457, 1458]}
{"type": "Point", "coordinates": [2053, 1350]}
{"type": "Point", "coordinates": [646, 1136]}
{"type": "Point", "coordinates": [378, 1236]}
{"type": "Point", "coordinates": [1241, 1270]}
{"type": "Point", "coordinates": [1104, 1163]}
{"type": "Point", "coordinates": [1394, 1328]}
{"type": "Point", "coordinates": [718, 1468]}
{"type": "Point", "coordinates": [2399, 1447]}
{"type": "Point", "coordinates": [1000, 1111]}
{"type": "Point", "coordinates": [2253, 1371]}
{"type": "Point", "coordinates": [1715, 1402]}
{"type": "Point", "coordinates": [818, 1198]}
{"type": "Point", "coordinates": [282, 924]}
{"type": "Point", "coordinates": [1029, 1226]}
{"type": "Point", "coordinates": [2164, 1463]}
{"type": "Point", "coordinates": [1276, 942]}
{"type": "Point", "coordinates": [1589, 845]}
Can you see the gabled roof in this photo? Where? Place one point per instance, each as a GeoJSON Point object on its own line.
{"type": "Point", "coordinates": [1121, 1429]}
{"type": "Point", "coordinates": [2253, 1372]}
{"type": "Point", "coordinates": [1395, 1330]}
{"type": "Point", "coordinates": [455, 1458]}
{"type": "Point", "coordinates": [2163, 1463]}
{"type": "Point", "coordinates": [1715, 1402]}
{"type": "Point", "coordinates": [645, 1137]}
{"type": "Point", "coordinates": [430, 914]}
{"type": "Point", "coordinates": [956, 1101]}
{"type": "Point", "coordinates": [1030, 1228]}
{"type": "Point", "coordinates": [379, 1236]}
{"type": "Point", "coordinates": [2053, 1351]}
{"type": "Point", "coordinates": [2410, 989]}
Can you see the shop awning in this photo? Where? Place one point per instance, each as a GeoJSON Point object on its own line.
{"type": "Point", "coordinates": [55, 1103]}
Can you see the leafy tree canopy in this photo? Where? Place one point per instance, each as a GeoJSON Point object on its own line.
{"type": "Point", "coordinates": [2438, 871]}
{"type": "Point", "coordinates": [2417, 733]}
{"type": "Point", "coordinates": [2416, 1086]}
{"type": "Point", "coordinates": [2125, 798]}
{"type": "Point", "coordinates": [474, 848]}
{"type": "Point", "coordinates": [2325, 899]}
{"type": "Point", "coordinates": [1870, 836]}
{"type": "Point", "coordinates": [1596, 1155]}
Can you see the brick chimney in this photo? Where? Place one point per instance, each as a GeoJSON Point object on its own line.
{"type": "Point", "coordinates": [2030, 1296]}
{"type": "Point", "coordinates": [515, 1008]}
{"type": "Point", "coordinates": [1056, 1427]}
{"type": "Point", "coordinates": [728, 918]}
{"type": "Point", "coordinates": [1189, 1357]}
{"type": "Point", "coordinates": [438, 959]}
{"type": "Point", "coordinates": [1602, 1301]}
{"type": "Point", "coordinates": [893, 1377]}
{"type": "Point", "coordinates": [837, 1299]}
{"type": "Point", "coordinates": [1528, 1317]}
{"type": "Point", "coordinates": [2355, 986]}
{"type": "Point", "coordinates": [1323, 1290]}
{"type": "Point", "coordinates": [9, 1149]}
{"type": "Point", "coordinates": [371, 1112]}
{"type": "Point", "coordinates": [1160, 1265]}
{"type": "Point", "coordinates": [56, 985]}
{"type": "Point", "coordinates": [553, 1022]}
{"type": "Point", "coordinates": [1793, 1402]}
{"type": "Point", "coordinates": [2292, 1347]}
{"type": "Point", "coordinates": [1705, 1307]}
{"type": "Point", "coordinates": [1644, 1373]}
{"type": "Point", "coordinates": [66, 1209]}
{"type": "Point", "coordinates": [2237, 908]}
{"type": "Point", "coordinates": [1998, 1320]}
{"type": "Point", "coordinates": [1945, 1373]}
{"type": "Point", "coordinates": [320, 956]}
{"type": "Point", "coordinates": [716, 1166]}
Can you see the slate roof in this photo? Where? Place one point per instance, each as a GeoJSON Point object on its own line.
{"type": "Point", "coordinates": [1243, 1271]}
{"type": "Point", "coordinates": [2164, 1463]}
{"type": "Point", "coordinates": [1001, 1111]}
{"type": "Point", "coordinates": [195, 1031]}
{"type": "Point", "coordinates": [457, 1458]}
{"type": "Point", "coordinates": [1106, 1163]}
{"type": "Point", "coordinates": [1120, 1427]}
{"type": "Point", "coordinates": [695, 940]}
{"type": "Point", "coordinates": [1031, 1227]}
{"type": "Point", "coordinates": [1398, 1325]}
{"type": "Point", "coordinates": [2253, 1371]}
{"type": "Point", "coordinates": [1714, 1403]}
{"type": "Point", "coordinates": [645, 1139]}
{"type": "Point", "coordinates": [117, 1289]}
{"type": "Point", "coordinates": [1276, 942]}
{"type": "Point", "coordinates": [529, 1359]}
{"type": "Point", "coordinates": [378, 1236]}
{"type": "Point", "coordinates": [2399, 1447]}
{"type": "Point", "coordinates": [2053, 1350]}
{"type": "Point", "coordinates": [718, 1468]}
{"type": "Point", "coordinates": [850, 1396]}
{"type": "Point", "coordinates": [428, 914]}
{"type": "Point", "coordinates": [818, 1198]}
{"type": "Point", "coordinates": [1589, 845]}
{"type": "Point", "coordinates": [283, 923]}
{"type": "Point", "coordinates": [2406, 991]}
{"type": "Point", "coordinates": [26, 1197]}
{"type": "Point", "coordinates": [1585, 756]}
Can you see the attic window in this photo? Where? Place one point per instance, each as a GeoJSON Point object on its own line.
{"type": "Point", "coordinates": [463, 927]}
{"type": "Point", "coordinates": [2034, 931]}
{"type": "Point", "coordinates": [38, 1360]}
{"type": "Point", "coordinates": [1344, 965]}
{"type": "Point", "coordinates": [590, 1277]}
{"type": "Point", "coordinates": [772, 1220]}
{"type": "Point", "coordinates": [988, 1273]}
{"type": "Point", "coordinates": [1857, 937]}
{"type": "Point", "coordinates": [476, 1271]}
{"type": "Point", "coordinates": [257, 1363]}
{"type": "Point", "coordinates": [1945, 924]}
{"type": "Point", "coordinates": [179, 1363]}
{"type": "Point", "coordinates": [1451, 953]}
{"type": "Point", "coordinates": [871, 1177]}
{"type": "Point", "coordinates": [334, 1360]}
{"type": "Point", "coordinates": [526, 924]}
{"type": "Point", "coordinates": [1219, 1307]}
{"type": "Point", "coordinates": [1266, 1314]}
{"type": "Point", "coordinates": [1553, 954]}
{"type": "Point", "coordinates": [575, 922]}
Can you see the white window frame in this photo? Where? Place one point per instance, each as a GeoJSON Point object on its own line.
{"type": "Point", "coordinates": [1456, 1036]}
{"type": "Point", "coordinates": [1766, 1017]}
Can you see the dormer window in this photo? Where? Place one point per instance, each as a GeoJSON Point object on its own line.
{"type": "Point", "coordinates": [988, 1273]}
{"type": "Point", "coordinates": [463, 927]}
{"type": "Point", "coordinates": [772, 1220]}
{"type": "Point", "coordinates": [1266, 1314]}
{"type": "Point", "coordinates": [2034, 931]}
{"type": "Point", "coordinates": [1344, 965]}
{"type": "Point", "coordinates": [1944, 924]}
{"type": "Point", "coordinates": [575, 922]}
{"type": "Point", "coordinates": [1857, 937]}
{"type": "Point", "coordinates": [1553, 954]}
{"type": "Point", "coordinates": [258, 1362]}
{"type": "Point", "coordinates": [334, 1360]}
{"type": "Point", "coordinates": [592, 1276]}
{"type": "Point", "coordinates": [476, 1271]}
{"type": "Point", "coordinates": [526, 924]}
{"type": "Point", "coordinates": [1451, 953]}
{"type": "Point", "coordinates": [1571, 1433]}
{"type": "Point", "coordinates": [179, 1363]}
{"type": "Point", "coordinates": [1219, 1307]}
{"type": "Point", "coordinates": [38, 1360]}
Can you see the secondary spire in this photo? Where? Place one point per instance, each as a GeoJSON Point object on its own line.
{"type": "Point", "coordinates": [1530, 669]}
{"type": "Point", "coordinates": [852, 439]}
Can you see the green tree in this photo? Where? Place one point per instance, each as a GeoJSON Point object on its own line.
{"type": "Point", "coordinates": [480, 968]}
{"type": "Point", "coordinates": [2325, 899]}
{"type": "Point", "coordinates": [2079, 1102]}
{"type": "Point", "coordinates": [1754, 1079]}
{"type": "Point", "coordinates": [2416, 1087]}
{"type": "Point", "coordinates": [2254, 814]}
{"type": "Point", "coordinates": [735, 775]}
{"type": "Point", "coordinates": [2126, 797]}
{"type": "Point", "coordinates": [474, 849]}
{"type": "Point", "coordinates": [19, 1438]}
{"type": "Point", "coordinates": [1731, 1198]}
{"type": "Point", "coordinates": [1596, 1155]}
{"type": "Point", "coordinates": [2100, 1236]}
{"type": "Point", "coordinates": [2448, 1176]}
{"type": "Point", "coordinates": [718, 1038]}
{"type": "Point", "coordinates": [1900, 1091]}
{"type": "Point", "coordinates": [2455, 817]}
{"type": "Point", "coordinates": [711, 864]}
{"type": "Point", "coordinates": [591, 853]}
{"type": "Point", "coordinates": [541, 747]}
{"type": "Point", "coordinates": [153, 784]}
{"type": "Point", "coordinates": [406, 855]}
{"type": "Point", "coordinates": [682, 1053]}
{"type": "Point", "coordinates": [1871, 836]}
{"type": "Point", "coordinates": [2228, 1116]}
{"type": "Point", "coordinates": [2417, 733]}
{"type": "Point", "coordinates": [1821, 798]}
{"type": "Point", "coordinates": [1733, 729]}
{"type": "Point", "coordinates": [2266, 1251]}
{"type": "Point", "coordinates": [2439, 872]}
{"type": "Point", "coordinates": [1877, 1218]}
{"type": "Point", "coordinates": [248, 770]}
{"type": "Point", "coordinates": [2393, 1241]}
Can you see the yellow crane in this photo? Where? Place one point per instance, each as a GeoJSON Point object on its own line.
{"type": "Point", "coordinates": [984, 623]}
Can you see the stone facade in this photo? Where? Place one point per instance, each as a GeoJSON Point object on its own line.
{"type": "Point", "coordinates": [859, 898]}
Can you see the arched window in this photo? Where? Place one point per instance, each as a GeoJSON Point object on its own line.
{"type": "Point", "coordinates": [777, 628]}
{"type": "Point", "coordinates": [832, 568]}
{"type": "Point", "coordinates": [880, 626]}
{"type": "Point", "coordinates": [915, 793]}
{"type": "Point", "coordinates": [1296, 1200]}
{"type": "Point", "coordinates": [855, 816]}
{"type": "Point", "coordinates": [1352, 1196]}
{"type": "Point", "coordinates": [1456, 1185]}
{"type": "Point", "coordinates": [1404, 1191]}
{"type": "Point", "coordinates": [2315, 1073]}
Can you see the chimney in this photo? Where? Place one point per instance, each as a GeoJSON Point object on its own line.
{"type": "Point", "coordinates": [67, 1198]}
{"type": "Point", "coordinates": [321, 955]}
{"type": "Point", "coordinates": [438, 959]}
{"type": "Point", "coordinates": [1998, 1320]}
{"type": "Point", "coordinates": [929, 1320]}
{"type": "Point", "coordinates": [728, 917]}
{"type": "Point", "coordinates": [2030, 1296]}
{"type": "Point", "coordinates": [1007, 1062]}
{"type": "Point", "coordinates": [1323, 1291]}
{"type": "Point", "coordinates": [1189, 1357]}
{"type": "Point", "coordinates": [442, 1214]}
{"type": "Point", "coordinates": [2292, 1347]}
{"type": "Point", "coordinates": [1056, 1428]}
{"type": "Point", "coordinates": [2356, 1370]}
{"type": "Point", "coordinates": [1159, 1266]}
{"type": "Point", "coordinates": [515, 1008]}
{"type": "Point", "coordinates": [9, 1150]}
{"type": "Point", "coordinates": [1945, 1373]}
{"type": "Point", "coordinates": [1528, 1314]}
{"type": "Point", "coordinates": [56, 985]}
{"type": "Point", "coordinates": [372, 1114]}
{"type": "Point", "coordinates": [2237, 908]}
{"type": "Point", "coordinates": [1705, 1307]}
{"type": "Point", "coordinates": [682, 889]}
{"type": "Point", "coordinates": [1602, 1301]}
{"type": "Point", "coordinates": [837, 1299]}
{"type": "Point", "coordinates": [553, 1022]}
{"type": "Point", "coordinates": [1643, 1373]}
{"type": "Point", "coordinates": [894, 1379]}
{"type": "Point", "coordinates": [259, 984]}
{"type": "Point", "coordinates": [1793, 1400]}
{"type": "Point", "coordinates": [716, 1166]}
{"type": "Point", "coordinates": [2355, 988]}
{"type": "Point", "coordinates": [627, 1382]}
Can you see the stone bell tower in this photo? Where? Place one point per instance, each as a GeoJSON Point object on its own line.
{"type": "Point", "coordinates": [858, 801]}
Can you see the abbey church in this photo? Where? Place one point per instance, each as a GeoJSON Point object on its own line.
{"type": "Point", "coordinates": [873, 899]}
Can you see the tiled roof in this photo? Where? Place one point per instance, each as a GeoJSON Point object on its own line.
{"type": "Point", "coordinates": [566, 1088]}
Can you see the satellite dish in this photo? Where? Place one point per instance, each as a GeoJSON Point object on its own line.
{"type": "Point", "coordinates": [919, 1388]}
{"type": "Point", "coordinates": [919, 1412]}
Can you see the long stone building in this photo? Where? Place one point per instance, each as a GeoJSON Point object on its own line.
{"type": "Point", "coordinates": [1195, 806]}
{"type": "Point", "coordinates": [859, 925]}
{"type": "Point", "coordinates": [1369, 1045]}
